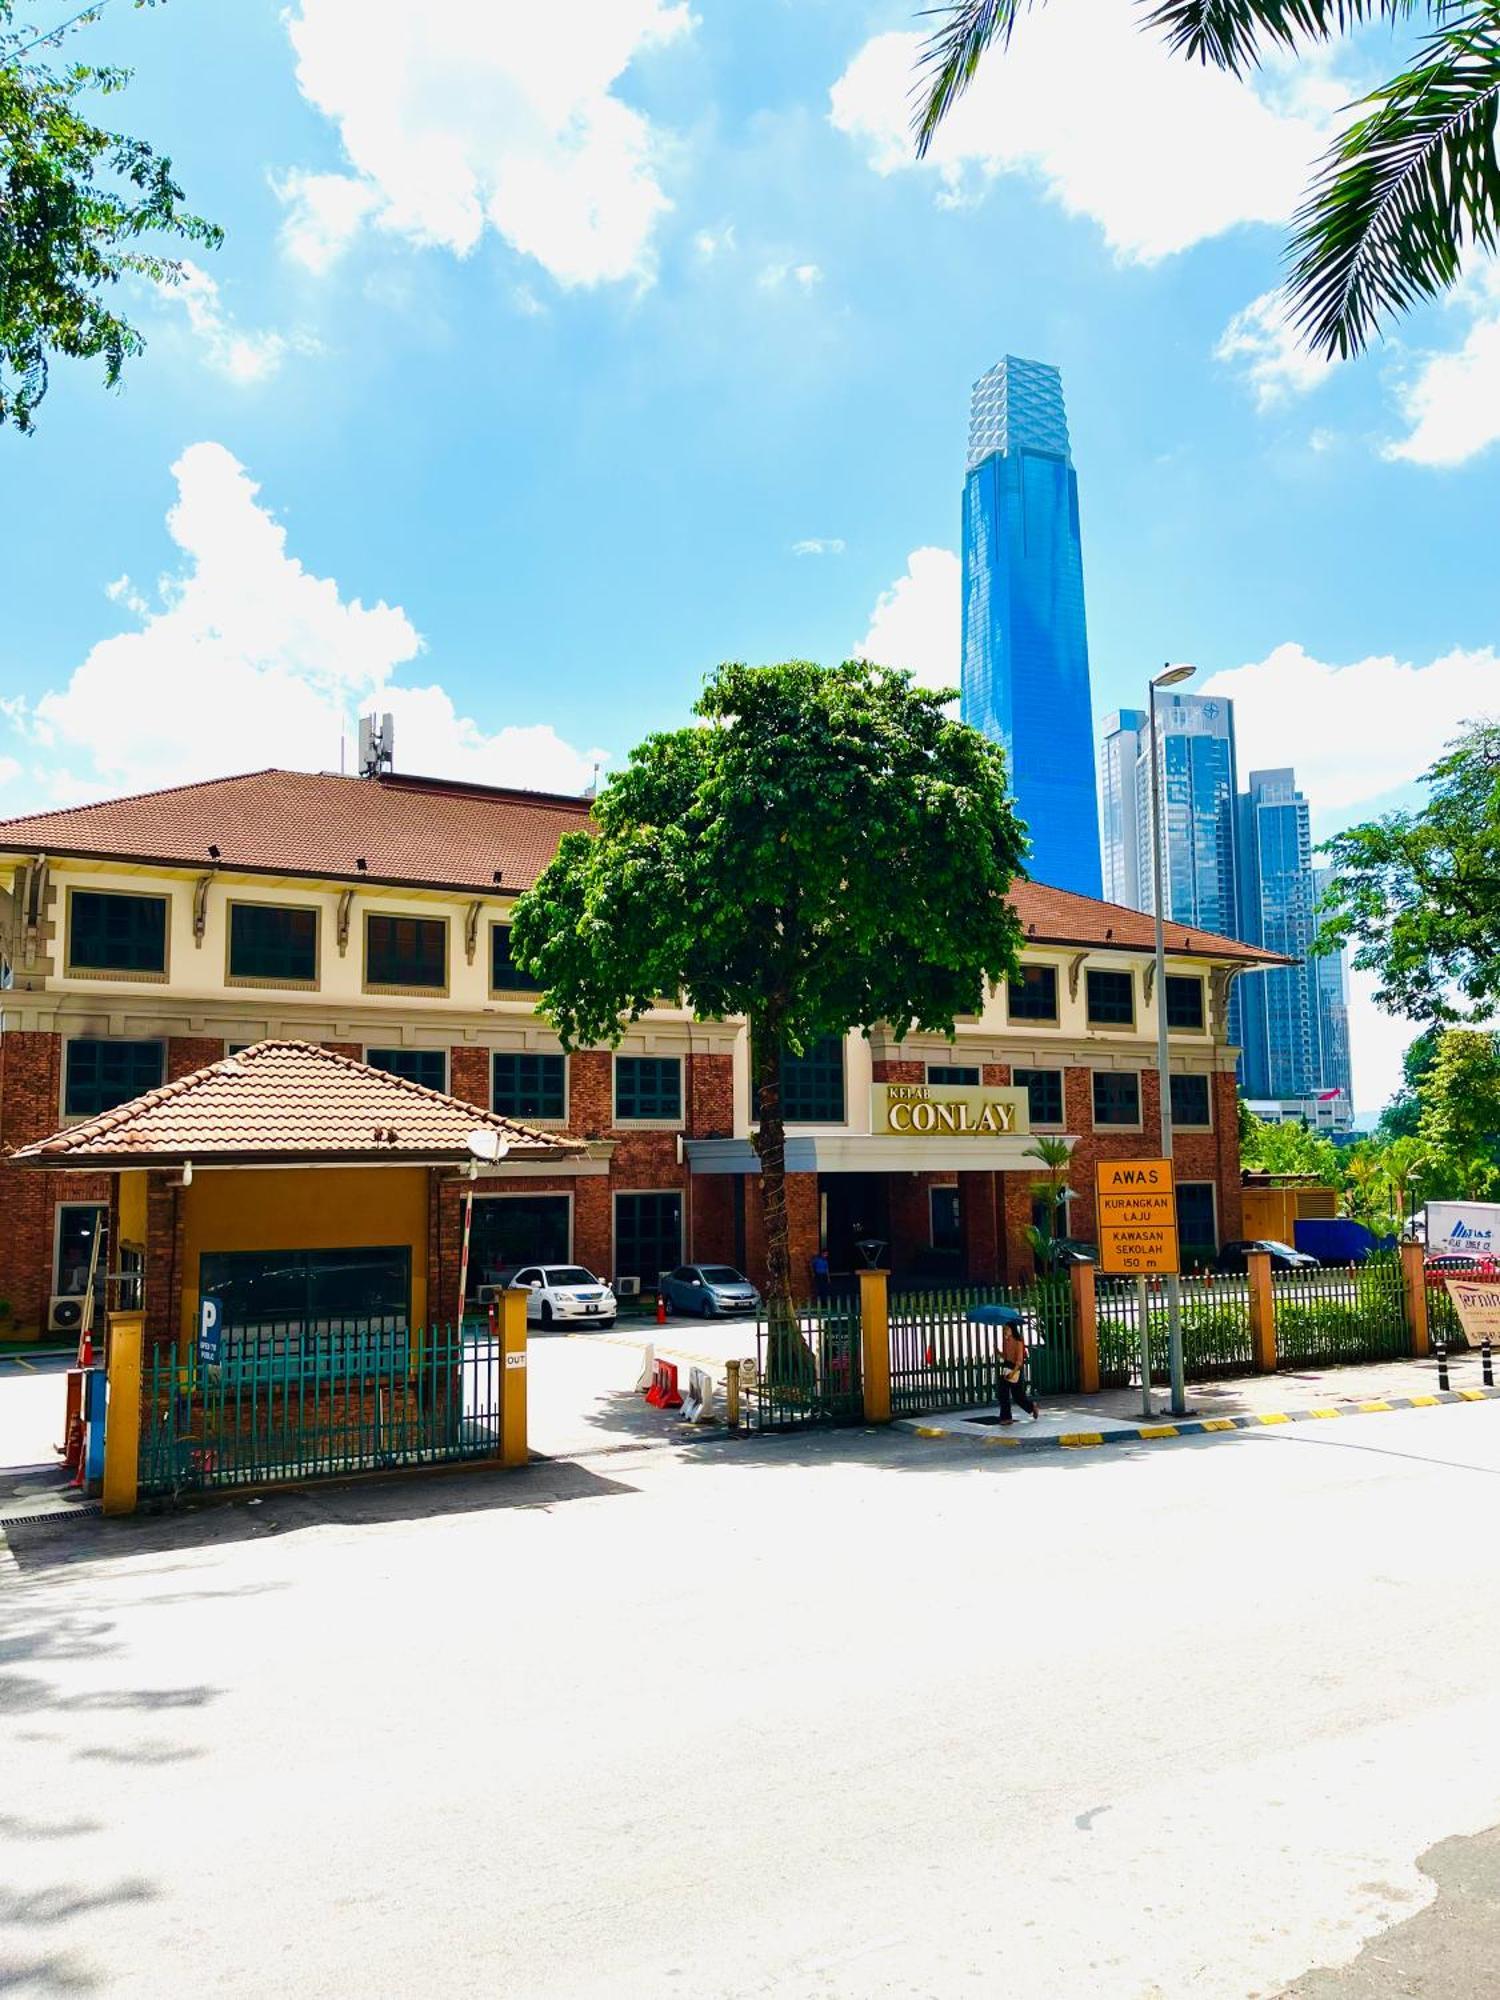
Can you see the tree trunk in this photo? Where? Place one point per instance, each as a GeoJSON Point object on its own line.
{"type": "Point", "coordinates": [788, 1358]}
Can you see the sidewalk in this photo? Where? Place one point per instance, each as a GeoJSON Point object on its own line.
{"type": "Point", "coordinates": [1241, 1402]}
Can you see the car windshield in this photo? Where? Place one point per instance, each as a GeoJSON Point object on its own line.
{"type": "Point", "coordinates": [721, 1274]}
{"type": "Point", "coordinates": [570, 1274]}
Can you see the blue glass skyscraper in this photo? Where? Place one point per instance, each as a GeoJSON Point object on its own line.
{"type": "Point", "coordinates": [1026, 655]}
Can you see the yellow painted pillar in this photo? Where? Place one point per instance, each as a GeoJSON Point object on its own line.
{"type": "Point", "coordinates": [1414, 1281]}
{"type": "Point", "coordinates": [875, 1345]}
{"type": "Point", "coordinates": [513, 1447]}
{"type": "Point", "coordinates": [122, 1421]}
{"type": "Point", "coordinates": [1262, 1311]}
{"type": "Point", "coordinates": [1086, 1326]}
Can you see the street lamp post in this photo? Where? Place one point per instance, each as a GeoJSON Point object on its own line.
{"type": "Point", "coordinates": [1169, 676]}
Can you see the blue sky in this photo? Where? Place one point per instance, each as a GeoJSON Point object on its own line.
{"type": "Point", "coordinates": [549, 361]}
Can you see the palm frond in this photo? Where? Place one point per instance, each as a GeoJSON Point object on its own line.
{"type": "Point", "coordinates": [1230, 34]}
{"type": "Point", "coordinates": [951, 55]}
{"type": "Point", "coordinates": [1404, 191]}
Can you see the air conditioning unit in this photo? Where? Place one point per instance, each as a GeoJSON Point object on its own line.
{"type": "Point", "coordinates": [486, 1295]}
{"type": "Point", "coordinates": [627, 1288]}
{"type": "Point", "coordinates": [65, 1313]}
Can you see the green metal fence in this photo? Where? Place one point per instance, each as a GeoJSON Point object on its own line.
{"type": "Point", "coordinates": [944, 1359]}
{"type": "Point", "coordinates": [288, 1403]}
{"type": "Point", "coordinates": [808, 1373]}
{"type": "Point", "coordinates": [1354, 1312]}
{"type": "Point", "coordinates": [1215, 1329]}
{"type": "Point", "coordinates": [1443, 1323]}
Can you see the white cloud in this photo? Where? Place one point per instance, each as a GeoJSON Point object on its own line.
{"type": "Point", "coordinates": [462, 115]}
{"type": "Point", "coordinates": [240, 357]}
{"type": "Point", "coordinates": [714, 242]}
{"type": "Point", "coordinates": [1161, 153]}
{"type": "Point", "coordinates": [774, 276]}
{"type": "Point", "coordinates": [1262, 340]}
{"type": "Point", "coordinates": [1452, 403]}
{"type": "Point", "coordinates": [916, 623]}
{"type": "Point", "coordinates": [1356, 732]}
{"type": "Point", "coordinates": [820, 545]}
{"type": "Point", "coordinates": [248, 660]}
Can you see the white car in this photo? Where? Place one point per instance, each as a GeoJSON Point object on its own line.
{"type": "Point", "coordinates": [563, 1293]}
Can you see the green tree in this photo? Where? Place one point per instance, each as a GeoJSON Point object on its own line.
{"type": "Point", "coordinates": [1404, 1163]}
{"type": "Point", "coordinates": [1418, 893]}
{"type": "Point", "coordinates": [823, 850]}
{"type": "Point", "coordinates": [1409, 184]}
{"type": "Point", "coordinates": [1365, 1195]}
{"type": "Point", "coordinates": [1460, 1096]}
{"type": "Point", "coordinates": [1403, 1114]}
{"type": "Point", "coordinates": [1055, 1156]}
{"type": "Point", "coordinates": [1269, 1148]}
{"type": "Point", "coordinates": [79, 205]}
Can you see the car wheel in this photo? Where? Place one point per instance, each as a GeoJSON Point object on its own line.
{"type": "Point", "coordinates": [604, 1323]}
{"type": "Point", "coordinates": [546, 1313]}
{"type": "Point", "coordinates": [710, 1309]}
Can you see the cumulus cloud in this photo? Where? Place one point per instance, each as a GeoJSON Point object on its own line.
{"type": "Point", "coordinates": [820, 545]}
{"type": "Point", "coordinates": [916, 623]}
{"type": "Point", "coordinates": [239, 356]}
{"type": "Point", "coordinates": [1159, 152]}
{"type": "Point", "coordinates": [459, 116]}
{"type": "Point", "coordinates": [1355, 732]}
{"type": "Point", "coordinates": [774, 276]}
{"type": "Point", "coordinates": [1452, 401]}
{"type": "Point", "coordinates": [1262, 341]}
{"type": "Point", "coordinates": [245, 659]}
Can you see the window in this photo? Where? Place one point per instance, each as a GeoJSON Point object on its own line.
{"type": "Point", "coordinates": [648, 1087]}
{"type": "Point", "coordinates": [99, 1075]}
{"type": "Point", "coordinates": [812, 1085]}
{"type": "Point", "coordinates": [947, 1232]}
{"type": "Point", "coordinates": [1197, 1226]}
{"type": "Point", "coordinates": [406, 951]}
{"type": "Point", "coordinates": [512, 1230]}
{"type": "Point", "coordinates": [504, 976]}
{"type": "Point", "coordinates": [1117, 1097]}
{"type": "Point", "coordinates": [109, 933]}
{"type": "Point", "coordinates": [309, 1289]}
{"type": "Point", "coordinates": [276, 946]}
{"type": "Point", "coordinates": [425, 1066]}
{"type": "Point", "coordinates": [648, 1235]}
{"type": "Point", "coordinates": [1190, 1100]}
{"type": "Point", "coordinates": [1044, 1090]}
{"type": "Point", "coordinates": [1033, 997]}
{"type": "Point", "coordinates": [1111, 999]}
{"type": "Point", "coordinates": [953, 1073]}
{"type": "Point", "coordinates": [529, 1086]}
{"type": "Point", "coordinates": [76, 1223]}
{"type": "Point", "coordinates": [1185, 1003]}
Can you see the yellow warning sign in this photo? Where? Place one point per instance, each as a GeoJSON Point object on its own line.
{"type": "Point", "coordinates": [1137, 1217]}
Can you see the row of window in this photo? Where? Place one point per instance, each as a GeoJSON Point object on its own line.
{"type": "Point", "coordinates": [277, 945]}
{"type": "Point", "coordinates": [99, 1074]}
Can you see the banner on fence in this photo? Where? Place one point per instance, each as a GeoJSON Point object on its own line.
{"type": "Point", "coordinates": [1477, 1303]}
{"type": "Point", "coordinates": [1137, 1217]}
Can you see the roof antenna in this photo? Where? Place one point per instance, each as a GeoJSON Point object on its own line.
{"type": "Point", "coordinates": [377, 745]}
{"type": "Point", "coordinates": [591, 789]}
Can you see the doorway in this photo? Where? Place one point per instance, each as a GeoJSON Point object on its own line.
{"type": "Point", "coordinates": [851, 1206]}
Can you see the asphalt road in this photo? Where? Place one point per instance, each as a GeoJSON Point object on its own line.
{"type": "Point", "coordinates": [844, 1716]}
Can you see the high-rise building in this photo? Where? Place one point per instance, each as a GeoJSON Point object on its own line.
{"type": "Point", "coordinates": [1293, 1020]}
{"type": "Point", "coordinates": [1026, 656]}
{"type": "Point", "coordinates": [1119, 752]}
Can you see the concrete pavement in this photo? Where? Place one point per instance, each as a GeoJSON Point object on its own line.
{"type": "Point", "coordinates": [842, 1715]}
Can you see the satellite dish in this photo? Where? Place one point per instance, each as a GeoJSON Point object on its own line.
{"type": "Point", "coordinates": [488, 1145]}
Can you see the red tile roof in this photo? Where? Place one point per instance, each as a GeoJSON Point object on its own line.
{"type": "Point", "coordinates": [286, 1101]}
{"type": "Point", "coordinates": [425, 832]}
{"type": "Point", "coordinates": [417, 831]}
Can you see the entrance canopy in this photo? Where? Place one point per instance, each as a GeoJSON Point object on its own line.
{"type": "Point", "coordinates": [836, 1153]}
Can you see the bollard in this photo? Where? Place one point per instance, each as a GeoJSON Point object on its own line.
{"type": "Point", "coordinates": [732, 1394]}
{"type": "Point", "coordinates": [1442, 1355]}
{"type": "Point", "coordinates": [1487, 1363]}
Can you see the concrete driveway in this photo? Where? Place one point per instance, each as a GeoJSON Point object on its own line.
{"type": "Point", "coordinates": [582, 1395]}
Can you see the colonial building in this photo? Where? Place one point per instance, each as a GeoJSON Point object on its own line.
{"type": "Point", "coordinates": [145, 937]}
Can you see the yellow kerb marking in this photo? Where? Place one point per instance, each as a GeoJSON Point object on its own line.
{"type": "Point", "coordinates": [1011, 1442]}
{"type": "Point", "coordinates": [1325, 1413]}
{"type": "Point", "coordinates": [1275, 1417]}
{"type": "Point", "coordinates": [929, 1431]}
{"type": "Point", "coordinates": [1472, 1395]}
{"type": "Point", "coordinates": [1424, 1402]}
{"type": "Point", "coordinates": [1074, 1438]}
{"type": "Point", "coordinates": [1157, 1431]}
{"type": "Point", "coordinates": [1219, 1423]}
{"type": "Point", "coordinates": [1375, 1406]}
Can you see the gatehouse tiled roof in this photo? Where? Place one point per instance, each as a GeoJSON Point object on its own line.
{"type": "Point", "coordinates": [286, 1101]}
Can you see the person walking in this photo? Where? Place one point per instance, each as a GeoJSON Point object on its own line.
{"type": "Point", "coordinates": [820, 1276]}
{"type": "Point", "coordinates": [1014, 1359]}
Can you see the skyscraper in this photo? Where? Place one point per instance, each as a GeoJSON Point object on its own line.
{"type": "Point", "coordinates": [1294, 1021]}
{"type": "Point", "coordinates": [1026, 657]}
{"type": "Point", "coordinates": [1195, 751]}
{"type": "Point", "coordinates": [1119, 753]}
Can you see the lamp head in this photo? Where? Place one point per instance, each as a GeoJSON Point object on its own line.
{"type": "Point", "coordinates": [1170, 676]}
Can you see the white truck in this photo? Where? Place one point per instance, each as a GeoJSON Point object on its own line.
{"type": "Point", "coordinates": [1463, 1228]}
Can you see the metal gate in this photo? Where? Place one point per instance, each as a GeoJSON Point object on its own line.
{"type": "Point", "coordinates": [810, 1374]}
{"type": "Point", "coordinates": [942, 1358]}
{"type": "Point", "coordinates": [289, 1402]}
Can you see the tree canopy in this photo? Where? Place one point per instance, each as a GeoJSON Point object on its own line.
{"type": "Point", "coordinates": [824, 849]}
{"type": "Point", "coordinates": [1410, 183]}
{"type": "Point", "coordinates": [1418, 893]}
{"type": "Point", "coordinates": [80, 206]}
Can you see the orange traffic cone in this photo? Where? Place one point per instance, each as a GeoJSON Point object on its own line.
{"type": "Point", "coordinates": [661, 1309]}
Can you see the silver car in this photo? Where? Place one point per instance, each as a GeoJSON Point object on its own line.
{"type": "Point", "coordinates": [709, 1289]}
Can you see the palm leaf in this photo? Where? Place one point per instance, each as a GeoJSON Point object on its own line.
{"type": "Point", "coordinates": [1230, 33]}
{"type": "Point", "coordinates": [951, 55]}
{"type": "Point", "coordinates": [1404, 191]}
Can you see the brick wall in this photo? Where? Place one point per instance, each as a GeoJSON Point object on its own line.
{"type": "Point", "coordinates": [898, 1072]}
{"type": "Point", "coordinates": [185, 1053]}
{"type": "Point", "coordinates": [710, 1096]}
{"type": "Point", "coordinates": [30, 1097]}
{"type": "Point", "coordinates": [469, 1075]}
{"type": "Point", "coordinates": [979, 1224]}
